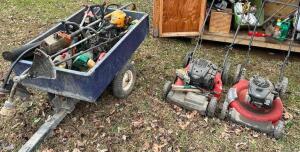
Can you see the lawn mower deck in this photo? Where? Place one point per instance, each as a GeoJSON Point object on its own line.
{"type": "Point", "coordinates": [196, 87]}
{"type": "Point", "coordinates": [261, 110]}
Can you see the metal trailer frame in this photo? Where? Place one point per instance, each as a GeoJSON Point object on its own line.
{"type": "Point", "coordinates": [69, 87]}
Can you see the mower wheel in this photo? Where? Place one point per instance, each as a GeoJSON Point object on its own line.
{"type": "Point", "coordinates": [225, 72]}
{"type": "Point", "coordinates": [237, 74]}
{"type": "Point", "coordinates": [212, 106]}
{"type": "Point", "coordinates": [166, 89]}
{"type": "Point", "coordinates": [187, 58]}
{"type": "Point", "coordinates": [224, 110]}
{"type": "Point", "coordinates": [124, 81]}
{"type": "Point", "coordinates": [279, 130]}
{"type": "Point", "coordinates": [284, 86]}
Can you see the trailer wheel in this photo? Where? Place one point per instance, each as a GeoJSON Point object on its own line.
{"type": "Point", "coordinates": [279, 130]}
{"type": "Point", "coordinates": [212, 106]}
{"type": "Point", "coordinates": [166, 89]}
{"type": "Point", "coordinates": [284, 86]}
{"type": "Point", "coordinates": [237, 74]}
{"type": "Point", "coordinates": [187, 58]}
{"type": "Point", "coordinates": [225, 72]}
{"type": "Point", "coordinates": [51, 96]}
{"type": "Point", "coordinates": [123, 83]}
{"type": "Point", "coordinates": [224, 110]}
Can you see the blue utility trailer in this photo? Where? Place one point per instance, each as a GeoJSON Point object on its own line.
{"type": "Point", "coordinates": [88, 86]}
{"type": "Point", "coordinates": [70, 86]}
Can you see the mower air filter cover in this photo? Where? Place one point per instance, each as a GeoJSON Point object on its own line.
{"type": "Point", "coordinates": [202, 73]}
{"type": "Point", "coordinates": [261, 92]}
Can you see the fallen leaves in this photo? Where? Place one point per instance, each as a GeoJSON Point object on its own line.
{"type": "Point", "coordinates": [287, 116]}
{"type": "Point", "coordinates": [146, 146]}
{"type": "Point", "coordinates": [191, 115]}
{"type": "Point", "coordinates": [184, 125]}
{"type": "Point", "coordinates": [241, 146]}
{"type": "Point", "coordinates": [157, 147]}
{"type": "Point", "coordinates": [138, 123]}
{"type": "Point", "coordinates": [48, 150]}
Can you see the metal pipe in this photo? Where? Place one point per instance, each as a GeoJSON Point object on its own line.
{"type": "Point", "coordinates": [199, 42]}
{"type": "Point", "coordinates": [77, 43]}
{"type": "Point", "coordinates": [285, 62]}
{"type": "Point", "coordinates": [15, 63]}
{"type": "Point", "coordinates": [252, 36]}
{"type": "Point", "coordinates": [85, 15]}
{"type": "Point", "coordinates": [230, 47]}
{"type": "Point", "coordinates": [43, 131]}
{"type": "Point", "coordinates": [90, 49]}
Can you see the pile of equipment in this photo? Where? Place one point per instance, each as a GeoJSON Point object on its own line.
{"type": "Point", "coordinates": [70, 48]}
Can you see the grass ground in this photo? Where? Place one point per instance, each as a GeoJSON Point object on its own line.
{"type": "Point", "coordinates": [143, 122]}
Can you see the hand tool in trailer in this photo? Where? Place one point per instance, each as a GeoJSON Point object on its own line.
{"type": "Point", "coordinates": [15, 53]}
{"type": "Point", "coordinates": [202, 74]}
{"type": "Point", "coordinates": [257, 102]}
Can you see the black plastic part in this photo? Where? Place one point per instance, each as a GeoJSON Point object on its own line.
{"type": "Point", "coordinates": [15, 53]}
{"type": "Point", "coordinates": [166, 89]}
{"type": "Point", "coordinates": [237, 74]}
{"type": "Point", "coordinates": [225, 73]}
{"type": "Point", "coordinates": [224, 110]}
{"type": "Point", "coordinates": [212, 106]}
{"type": "Point", "coordinates": [187, 58]}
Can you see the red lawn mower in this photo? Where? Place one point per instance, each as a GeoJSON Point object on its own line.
{"type": "Point", "coordinates": [256, 103]}
{"type": "Point", "coordinates": [199, 84]}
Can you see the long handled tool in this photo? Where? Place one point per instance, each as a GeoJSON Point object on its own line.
{"type": "Point", "coordinates": [201, 32]}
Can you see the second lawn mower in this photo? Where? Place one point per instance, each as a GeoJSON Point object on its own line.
{"type": "Point", "coordinates": [257, 103]}
{"type": "Point", "coordinates": [198, 85]}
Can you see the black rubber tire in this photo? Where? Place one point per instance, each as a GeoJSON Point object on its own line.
{"type": "Point", "coordinates": [166, 89]}
{"type": "Point", "coordinates": [237, 73]}
{"type": "Point", "coordinates": [224, 110]}
{"type": "Point", "coordinates": [279, 130]}
{"type": "Point", "coordinates": [284, 86]}
{"type": "Point", "coordinates": [187, 59]}
{"type": "Point", "coordinates": [212, 106]}
{"type": "Point", "coordinates": [51, 96]}
{"type": "Point", "coordinates": [117, 84]}
{"type": "Point", "coordinates": [225, 73]}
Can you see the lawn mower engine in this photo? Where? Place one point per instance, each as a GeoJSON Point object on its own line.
{"type": "Point", "coordinates": [255, 104]}
{"type": "Point", "coordinates": [202, 76]}
{"type": "Point", "coordinates": [202, 73]}
{"type": "Point", "coordinates": [261, 92]}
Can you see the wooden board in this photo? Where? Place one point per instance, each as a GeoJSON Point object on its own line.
{"type": "Point", "coordinates": [156, 9]}
{"type": "Point", "coordinates": [172, 18]}
{"type": "Point", "coordinates": [271, 7]}
{"type": "Point", "coordinates": [243, 39]}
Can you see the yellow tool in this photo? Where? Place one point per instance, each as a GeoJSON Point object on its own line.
{"type": "Point", "coordinates": [117, 18]}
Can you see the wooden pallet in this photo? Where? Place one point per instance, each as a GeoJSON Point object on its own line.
{"type": "Point", "coordinates": [243, 39]}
